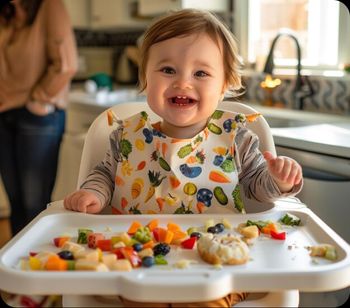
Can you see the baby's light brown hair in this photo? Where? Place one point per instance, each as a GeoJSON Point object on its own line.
{"type": "Point", "coordinates": [187, 22]}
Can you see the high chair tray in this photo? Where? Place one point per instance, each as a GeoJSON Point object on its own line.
{"type": "Point", "coordinates": [274, 265]}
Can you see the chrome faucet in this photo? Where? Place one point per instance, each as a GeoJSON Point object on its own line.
{"type": "Point", "coordinates": [303, 87]}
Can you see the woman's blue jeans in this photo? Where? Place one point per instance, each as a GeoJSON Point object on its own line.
{"type": "Point", "coordinates": [29, 148]}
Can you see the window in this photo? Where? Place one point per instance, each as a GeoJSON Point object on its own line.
{"type": "Point", "coordinates": [321, 26]}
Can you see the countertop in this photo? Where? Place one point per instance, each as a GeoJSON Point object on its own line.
{"type": "Point", "coordinates": [327, 134]}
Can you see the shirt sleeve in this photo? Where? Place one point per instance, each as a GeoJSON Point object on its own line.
{"type": "Point", "coordinates": [101, 180]}
{"type": "Point", "coordinates": [61, 51]}
{"type": "Point", "coordinates": [257, 182]}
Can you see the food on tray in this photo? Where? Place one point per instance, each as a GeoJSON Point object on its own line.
{"type": "Point", "coordinates": [149, 244]}
{"type": "Point", "coordinates": [326, 251]}
{"type": "Point", "coordinates": [222, 249]}
{"type": "Point", "coordinates": [290, 220]}
{"type": "Point", "coordinates": [267, 227]}
{"type": "Point", "coordinates": [139, 246]}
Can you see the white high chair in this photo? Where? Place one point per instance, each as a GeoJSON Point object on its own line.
{"type": "Point", "coordinates": [95, 146]}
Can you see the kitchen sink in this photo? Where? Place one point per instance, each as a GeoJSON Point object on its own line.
{"type": "Point", "coordinates": [275, 122]}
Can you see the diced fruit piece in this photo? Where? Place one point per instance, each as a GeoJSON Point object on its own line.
{"type": "Point", "coordinates": [227, 224]}
{"type": "Point", "coordinates": [34, 264]}
{"type": "Point", "coordinates": [93, 238]}
{"type": "Point", "coordinates": [87, 265]}
{"type": "Point", "coordinates": [55, 263]}
{"type": "Point", "coordinates": [145, 252]}
{"type": "Point", "coordinates": [104, 245]}
{"type": "Point", "coordinates": [153, 224]}
{"type": "Point", "coordinates": [130, 254]}
{"type": "Point", "coordinates": [191, 230]}
{"type": "Point", "coordinates": [269, 227]}
{"type": "Point", "coordinates": [208, 223]}
{"type": "Point", "coordinates": [189, 243]}
{"type": "Point", "coordinates": [122, 265]}
{"type": "Point", "coordinates": [250, 231]}
{"type": "Point", "coordinates": [121, 237]}
{"type": "Point", "coordinates": [73, 247]}
{"type": "Point", "coordinates": [91, 255]}
{"type": "Point", "coordinates": [109, 259]}
{"type": "Point", "coordinates": [83, 234]}
{"type": "Point", "coordinates": [59, 241]}
{"type": "Point", "coordinates": [158, 233]}
{"type": "Point", "coordinates": [133, 227]}
{"type": "Point", "coordinates": [173, 227]}
{"type": "Point", "coordinates": [148, 244]}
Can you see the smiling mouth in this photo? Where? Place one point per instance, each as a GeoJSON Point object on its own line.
{"type": "Point", "coordinates": [182, 100]}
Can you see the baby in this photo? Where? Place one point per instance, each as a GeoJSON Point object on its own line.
{"type": "Point", "coordinates": [194, 158]}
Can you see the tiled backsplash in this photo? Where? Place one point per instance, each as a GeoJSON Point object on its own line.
{"type": "Point", "coordinates": [332, 94]}
{"type": "Point", "coordinates": [89, 38]}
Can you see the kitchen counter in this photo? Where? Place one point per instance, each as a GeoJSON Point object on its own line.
{"type": "Point", "coordinates": [310, 131]}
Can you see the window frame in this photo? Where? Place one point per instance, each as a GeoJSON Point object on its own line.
{"type": "Point", "coordinates": [241, 30]}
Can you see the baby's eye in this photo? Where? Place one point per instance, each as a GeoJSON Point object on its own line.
{"type": "Point", "coordinates": [201, 74]}
{"type": "Point", "coordinates": [168, 70]}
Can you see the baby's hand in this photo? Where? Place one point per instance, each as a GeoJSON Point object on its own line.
{"type": "Point", "coordinates": [285, 171]}
{"type": "Point", "coordinates": [83, 201]}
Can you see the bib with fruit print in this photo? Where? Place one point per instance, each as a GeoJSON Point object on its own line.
{"type": "Point", "coordinates": [158, 174]}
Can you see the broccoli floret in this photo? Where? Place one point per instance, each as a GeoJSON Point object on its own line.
{"type": "Point", "coordinates": [125, 147]}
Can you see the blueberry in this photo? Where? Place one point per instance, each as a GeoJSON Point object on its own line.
{"type": "Point", "coordinates": [220, 227]}
{"type": "Point", "coordinates": [218, 159]}
{"type": "Point", "coordinates": [148, 261]}
{"type": "Point", "coordinates": [196, 234]}
{"type": "Point", "coordinates": [212, 229]}
{"type": "Point", "coordinates": [137, 247]}
{"type": "Point", "coordinates": [66, 255]}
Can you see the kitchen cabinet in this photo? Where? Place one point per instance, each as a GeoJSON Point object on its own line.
{"type": "Point", "coordinates": [115, 14]}
{"type": "Point", "coordinates": [79, 12]}
{"type": "Point", "coordinates": [156, 7]}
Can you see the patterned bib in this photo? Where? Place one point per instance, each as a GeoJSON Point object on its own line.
{"type": "Point", "coordinates": [163, 175]}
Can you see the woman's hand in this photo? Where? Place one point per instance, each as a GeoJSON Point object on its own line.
{"type": "Point", "coordinates": [39, 109]}
{"type": "Point", "coordinates": [83, 201]}
{"type": "Point", "coordinates": [285, 171]}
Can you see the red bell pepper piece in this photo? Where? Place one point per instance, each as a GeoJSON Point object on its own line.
{"type": "Point", "coordinates": [189, 243]}
{"type": "Point", "coordinates": [278, 235]}
{"type": "Point", "coordinates": [104, 245]}
{"type": "Point", "coordinates": [118, 253]}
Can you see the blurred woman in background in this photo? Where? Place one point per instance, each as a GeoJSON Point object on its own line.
{"type": "Point", "coordinates": [38, 58]}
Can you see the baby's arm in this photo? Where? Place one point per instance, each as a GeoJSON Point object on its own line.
{"type": "Point", "coordinates": [254, 174]}
{"type": "Point", "coordinates": [83, 201]}
{"type": "Point", "coordinates": [96, 191]}
{"type": "Point", "coordinates": [285, 171]}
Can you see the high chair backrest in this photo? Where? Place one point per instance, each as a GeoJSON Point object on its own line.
{"type": "Point", "coordinates": [97, 137]}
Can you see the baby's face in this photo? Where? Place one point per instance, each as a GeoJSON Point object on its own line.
{"type": "Point", "coordinates": [185, 81]}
